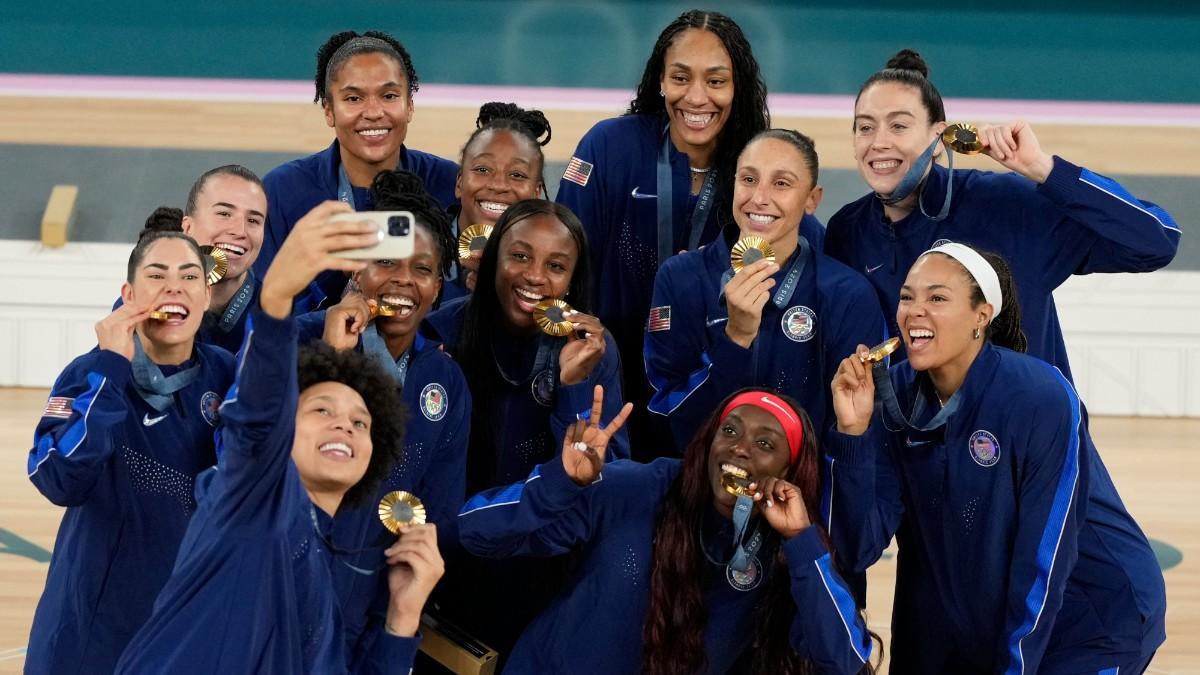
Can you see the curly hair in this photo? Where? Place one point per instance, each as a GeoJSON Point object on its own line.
{"type": "Point", "coordinates": [673, 634]}
{"type": "Point", "coordinates": [317, 363]}
{"type": "Point", "coordinates": [341, 47]}
{"type": "Point", "coordinates": [402, 190]}
{"type": "Point", "coordinates": [748, 114]}
{"type": "Point", "coordinates": [531, 125]}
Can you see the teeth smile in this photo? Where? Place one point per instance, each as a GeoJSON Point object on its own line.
{"type": "Point", "coordinates": [373, 132]}
{"type": "Point", "coordinates": [920, 333]}
{"type": "Point", "coordinates": [232, 248]}
{"type": "Point", "coordinates": [173, 309]}
{"type": "Point", "coordinates": [737, 471]}
{"type": "Point", "coordinates": [887, 164]}
{"type": "Point", "coordinates": [493, 207]}
{"type": "Point", "coordinates": [398, 301]}
{"type": "Point", "coordinates": [698, 120]}
{"type": "Point", "coordinates": [340, 448]}
{"type": "Point", "coordinates": [761, 219]}
{"type": "Point", "coordinates": [529, 294]}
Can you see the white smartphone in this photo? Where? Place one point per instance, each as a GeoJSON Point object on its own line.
{"type": "Point", "coordinates": [395, 234]}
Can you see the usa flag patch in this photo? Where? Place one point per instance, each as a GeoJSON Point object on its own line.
{"type": "Point", "coordinates": [58, 406]}
{"type": "Point", "coordinates": [578, 171]}
{"type": "Point", "coordinates": [660, 319]}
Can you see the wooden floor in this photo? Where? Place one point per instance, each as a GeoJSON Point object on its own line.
{"type": "Point", "coordinates": [1154, 462]}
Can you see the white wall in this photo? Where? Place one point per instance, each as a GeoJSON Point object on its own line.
{"type": "Point", "coordinates": [1134, 339]}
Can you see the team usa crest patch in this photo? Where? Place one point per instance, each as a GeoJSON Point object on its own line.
{"type": "Point", "coordinates": [660, 319]}
{"type": "Point", "coordinates": [543, 387]}
{"type": "Point", "coordinates": [209, 403]}
{"type": "Point", "coordinates": [985, 449]}
{"type": "Point", "coordinates": [58, 406]}
{"type": "Point", "coordinates": [799, 323]}
{"type": "Point", "coordinates": [433, 402]}
{"type": "Point", "coordinates": [578, 172]}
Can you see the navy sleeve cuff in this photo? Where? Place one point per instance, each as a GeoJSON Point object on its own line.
{"type": "Point", "coordinates": [113, 366]}
{"type": "Point", "coordinates": [396, 653]}
{"type": "Point", "coordinates": [852, 449]}
{"type": "Point", "coordinates": [729, 361]}
{"type": "Point", "coordinates": [558, 485]}
{"type": "Point", "coordinates": [802, 549]}
{"type": "Point", "coordinates": [1062, 181]}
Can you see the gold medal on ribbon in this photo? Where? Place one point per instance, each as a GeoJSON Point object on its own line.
{"type": "Point", "coordinates": [551, 317]}
{"type": "Point", "coordinates": [216, 262]}
{"type": "Point", "coordinates": [882, 350]}
{"type": "Point", "coordinates": [963, 138]}
{"type": "Point", "coordinates": [736, 481]}
{"type": "Point", "coordinates": [400, 509]}
{"type": "Point", "coordinates": [749, 250]}
{"type": "Point", "coordinates": [473, 239]}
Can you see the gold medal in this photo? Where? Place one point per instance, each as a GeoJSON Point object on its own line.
{"type": "Point", "coordinates": [160, 316]}
{"type": "Point", "coordinates": [882, 350]}
{"type": "Point", "coordinates": [217, 263]}
{"type": "Point", "coordinates": [382, 309]}
{"type": "Point", "coordinates": [749, 250]}
{"type": "Point", "coordinates": [737, 486]}
{"type": "Point", "coordinates": [963, 138]}
{"type": "Point", "coordinates": [551, 317]}
{"type": "Point", "coordinates": [473, 239]}
{"type": "Point", "coordinates": [400, 509]}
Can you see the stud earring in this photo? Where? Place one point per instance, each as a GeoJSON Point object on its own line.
{"type": "Point", "coordinates": [976, 333]}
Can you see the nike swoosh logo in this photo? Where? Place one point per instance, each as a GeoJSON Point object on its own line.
{"type": "Point", "coordinates": [872, 269]}
{"type": "Point", "coordinates": [641, 195]}
{"type": "Point", "coordinates": [914, 444]}
{"type": "Point", "coordinates": [713, 322]}
{"type": "Point", "coordinates": [151, 421]}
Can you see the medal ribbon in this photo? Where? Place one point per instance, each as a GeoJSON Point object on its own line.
{"type": "Point", "coordinates": [913, 179]}
{"type": "Point", "coordinates": [666, 217]}
{"type": "Point", "coordinates": [156, 389]}
{"type": "Point", "coordinates": [375, 347]}
{"type": "Point", "coordinates": [894, 419]}
{"type": "Point", "coordinates": [237, 304]}
{"type": "Point", "coordinates": [790, 278]}
{"type": "Point", "coordinates": [743, 553]}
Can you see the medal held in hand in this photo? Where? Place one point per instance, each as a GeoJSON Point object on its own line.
{"type": "Point", "coordinates": [881, 351]}
{"type": "Point", "coordinates": [400, 509]}
{"type": "Point", "coordinates": [963, 138]}
{"type": "Point", "coordinates": [551, 317]}
{"type": "Point", "coordinates": [749, 250]}
{"type": "Point", "coordinates": [473, 239]}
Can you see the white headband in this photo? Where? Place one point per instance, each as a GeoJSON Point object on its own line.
{"type": "Point", "coordinates": [982, 271]}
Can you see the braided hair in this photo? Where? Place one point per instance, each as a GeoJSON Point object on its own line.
{"type": "Point", "coordinates": [531, 125]}
{"type": "Point", "coordinates": [341, 47]}
{"type": "Point", "coordinates": [401, 190]}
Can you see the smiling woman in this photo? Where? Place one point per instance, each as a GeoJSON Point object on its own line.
{"type": "Point", "coordinates": [126, 478]}
{"type": "Point", "coordinates": [659, 179]}
{"type": "Point", "coordinates": [365, 85]}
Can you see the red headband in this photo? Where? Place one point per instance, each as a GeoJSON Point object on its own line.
{"type": "Point", "coordinates": [777, 407]}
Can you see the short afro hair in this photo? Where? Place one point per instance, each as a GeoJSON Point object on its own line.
{"type": "Point", "coordinates": [318, 362]}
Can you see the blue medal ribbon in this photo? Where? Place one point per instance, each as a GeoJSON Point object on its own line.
{"type": "Point", "coordinates": [743, 552]}
{"type": "Point", "coordinates": [237, 304]}
{"type": "Point", "coordinates": [666, 217]}
{"type": "Point", "coordinates": [791, 277]}
{"type": "Point", "coordinates": [375, 347]}
{"type": "Point", "coordinates": [156, 389]}
{"type": "Point", "coordinates": [894, 419]}
{"type": "Point", "coordinates": [914, 178]}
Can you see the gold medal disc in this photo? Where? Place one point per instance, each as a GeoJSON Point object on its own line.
{"type": "Point", "coordinates": [551, 317]}
{"type": "Point", "coordinates": [217, 263]}
{"type": "Point", "coordinates": [882, 350]}
{"type": "Point", "coordinates": [749, 250]}
{"type": "Point", "coordinates": [473, 239]}
{"type": "Point", "coordinates": [382, 309]}
{"type": "Point", "coordinates": [400, 509]}
{"type": "Point", "coordinates": [736, 485]}
{"type": "Point", "coordinates": [963, 138]}
{"type": "Point", "coordinates": [160, 316]}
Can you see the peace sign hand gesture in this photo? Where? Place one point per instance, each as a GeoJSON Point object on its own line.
{"type": "Point", "coordinates": [585, 443]}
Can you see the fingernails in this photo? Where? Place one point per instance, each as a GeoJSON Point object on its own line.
{"type": "Point", "coordinates": [770, 503]}
{"type": "Point", "coordinates": [580, 446]}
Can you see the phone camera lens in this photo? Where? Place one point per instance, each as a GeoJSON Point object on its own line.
{"type": "Point", "coordinates": [399, 226]}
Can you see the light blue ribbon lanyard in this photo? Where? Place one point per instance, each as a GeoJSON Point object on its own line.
{"type": "Point", "coordinates": [914, 178]}
{"type": "Point", "coordinates": [156, 389]}
{"type": "Point", "coordinates": [666, 215]}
